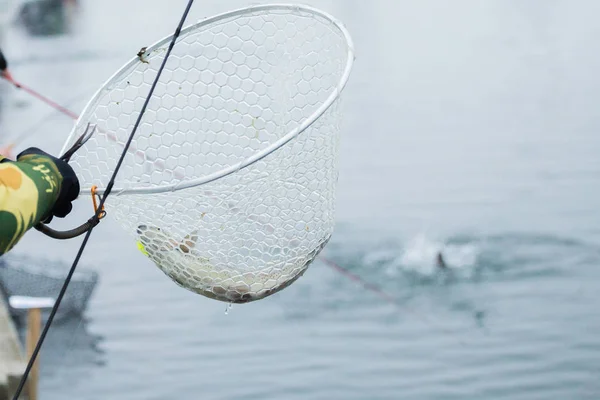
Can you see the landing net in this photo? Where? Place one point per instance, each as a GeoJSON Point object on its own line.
{"type": "Point", "coordinates": [229, 184]}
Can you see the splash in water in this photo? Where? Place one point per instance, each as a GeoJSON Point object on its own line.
{"type": "Point", "coordinates": [425, 256]}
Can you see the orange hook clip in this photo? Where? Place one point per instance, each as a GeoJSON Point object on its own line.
{"type": "Point", "coordinates": [94, 195]}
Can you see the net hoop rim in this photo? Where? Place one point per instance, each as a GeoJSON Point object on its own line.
{"type": "Point", "coordinates": [334, 95]}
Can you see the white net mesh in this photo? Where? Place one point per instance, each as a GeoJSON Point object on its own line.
{"type": "Point", "coordinates": [232, 87]}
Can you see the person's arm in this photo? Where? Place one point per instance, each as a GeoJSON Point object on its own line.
{"type": "Point", "coordinates": [32, 189]}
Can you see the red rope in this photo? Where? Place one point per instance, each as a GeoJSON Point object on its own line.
{"type": "Point", "coordinates": [38, 95]}
{"type": "Point", "coordinates": [367, 285]}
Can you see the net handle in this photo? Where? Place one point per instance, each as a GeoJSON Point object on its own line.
{"type": "Point", "coordinates": [70, 234]}
{"type": "Point", "coordinates": [334, 95]}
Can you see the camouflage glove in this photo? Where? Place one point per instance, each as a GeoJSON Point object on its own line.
{"type": "Point", "coordinates": [69, 187]}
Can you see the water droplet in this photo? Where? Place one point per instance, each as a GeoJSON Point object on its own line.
{"type": "Point", "coordinates": [227, 308]}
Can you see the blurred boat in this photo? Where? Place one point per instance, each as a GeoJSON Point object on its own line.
{"type": "Point", "coordinates": [8, 12]}
{"type": "Point", "coordinates": [8, 9]}
{"type": "Point", "coordinates": [45, 17]}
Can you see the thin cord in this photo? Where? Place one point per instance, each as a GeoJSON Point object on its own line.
{"type": "Point", "coordinates": [378, 290]}
{"type": "Point", "coordinates": [41, 97]}
{"type": "Point", "coordinates": [35, 127]}
{"type": "Point", "coordinates": [108, 189]}
{"type": "Point", "coordinates": [367, 285]}
{"type": "Point", "coordinates": [66, 112]}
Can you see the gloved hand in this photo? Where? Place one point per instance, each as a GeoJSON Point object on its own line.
{"type": "Point", "coordinates": [69, 189]}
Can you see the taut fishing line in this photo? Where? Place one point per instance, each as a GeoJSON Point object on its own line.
{"type": "Point", "coordinates": [31, 129]}
{"type": "Point", "coordinates": [97, 215]}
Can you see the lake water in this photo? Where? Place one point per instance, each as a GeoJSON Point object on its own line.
{"type": "Point", "coordinates": [470, 127]}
